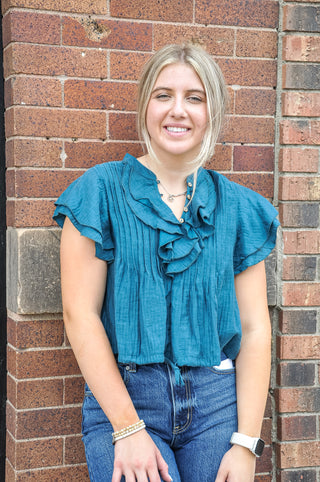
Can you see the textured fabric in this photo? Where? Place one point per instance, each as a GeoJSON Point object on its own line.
{"type": "Point", "coordinates": [190, 424]}
{"type": "Point", "coordinates": [170, 288]}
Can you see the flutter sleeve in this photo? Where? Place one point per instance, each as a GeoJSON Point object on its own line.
{"type": "Point", "coordinates": [85, 203]}
{"type": "Point", "coordinates": [256, 229]}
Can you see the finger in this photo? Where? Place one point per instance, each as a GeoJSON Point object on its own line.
{"type": "Point", "coordinates": [117, 474]}
{"type": "Point", "coordinates": [130, 477]}
{"type": "Point", "coordinates": [153, 475]}
{"type": "Point", "coordinates": [163, 467]}
{"type": "Point", "coordinates": [141, 477]}
{"type": "Point", "coordinates": [221, 476]}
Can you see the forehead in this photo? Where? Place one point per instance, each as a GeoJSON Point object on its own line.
{"type": "Point", "coordinates": [178, 76]}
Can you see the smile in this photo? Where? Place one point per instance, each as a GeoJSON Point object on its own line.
{"type": "Point", "coordinates": [177, 129]}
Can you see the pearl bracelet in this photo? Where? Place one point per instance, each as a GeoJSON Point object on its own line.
{"type": "Point", "coordinates": [125, 432]}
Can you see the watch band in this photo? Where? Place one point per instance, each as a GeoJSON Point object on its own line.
{"type": "Point", "coordinates": [254, 444]}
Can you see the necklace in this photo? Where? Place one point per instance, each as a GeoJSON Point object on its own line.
{"type": "Point", "coordinates": [171, 197]}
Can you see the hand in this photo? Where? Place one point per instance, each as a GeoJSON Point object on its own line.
{"type": "Point", "coordinates": [237, 465]}
{"type": "Point", "coordinates": [139, 459]}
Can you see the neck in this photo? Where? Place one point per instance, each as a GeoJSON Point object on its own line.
{"type": "Point", "coordinates": [172, 173]}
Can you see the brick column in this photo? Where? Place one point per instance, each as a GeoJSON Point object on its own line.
{"type": "Point", "coordinates": [71, 70]}
{"type": "Point", "coordinates": [298, 343]}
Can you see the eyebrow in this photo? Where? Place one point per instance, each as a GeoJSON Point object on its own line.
{"type": "Point", "coordinates": [169, 88]}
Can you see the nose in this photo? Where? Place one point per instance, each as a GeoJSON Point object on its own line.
{"type": "Point", "coordinates": [178, 108]}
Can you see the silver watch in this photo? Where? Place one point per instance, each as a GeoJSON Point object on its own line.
{"type": "Point", "coordinates": [254, 444]}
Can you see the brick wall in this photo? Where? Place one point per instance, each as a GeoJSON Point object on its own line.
{"type": "Point", "coordinates": [298, 340]}
{"type": "Point", "coordinates": [71, 72]}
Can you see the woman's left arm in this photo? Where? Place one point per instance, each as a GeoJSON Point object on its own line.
{"type": "Point", "coordinates": [252, 371]}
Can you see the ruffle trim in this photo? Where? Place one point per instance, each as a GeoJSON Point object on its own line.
{"type": "Point", "coordinates": [180, 244]}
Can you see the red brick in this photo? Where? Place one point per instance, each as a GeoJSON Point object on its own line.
{"type": "Point", "coordinates": [39, 393]}
{"type": "Point", "coordinates": [87, 154]}
{"type": "Point", "coordinates": [48, 423]}
{"type": "Point", "coordinates": [10, 449]}
{"type": "Point", "coordinates": [33, 91]}
{"type": "Point", "coordinates": [299, 215]}
{"type": "Point", "coordinates": [39, 453]}
{"type": "Point", "coordinates": [298, 321]}
{"type": "Point", "coordinates": [74, 451]}
{"type": "Point", "coordinates": [123, 127]}
{"type": "Point", "coordinates": [73, 390]}
{"type": "Point", "coordinates": [245, 72]}
{"type": "Point", "coordinates": [303, 104]}
{"type": "Point", "coordinates": [33, 153]}
{"type": "Point", "coordinates": [257, 13]}
{"type": "Point", "coordinates": [253, 158]}
{"type": "Point", "coordinates": [86, 94]}
{"type": "Point", "coordinates": [249, 130]}
{"type": "Point", "coordinates": [74, 473]}
{"type": "Point", "coordinates": [10, 473]}
{"type": "Point", "coordinates": [83, 6]}
{"type": "Point", "coordinates": [263, 477]}
{"type": "Point", "coordinates": [301, 454]}
{"type": "Point", "coordinates": [302, 18]}
{"type": "Point", "coordinates": [11, 418]}
{"type": "Point", "coordinates": [295, 373]}
{"type": "Point", "coordinates": [111, 34]}
{"type": "Point", "coordinates": [44, 363]}
{"type": "Point", "coordinates": [293, 400]}
{"type": "Point", "coordinates": [45, 60]}
{"type": "Point", "coordinates": [296, 159]}
{"type": "Point", "coordinates": [40, 183]}
{"type": "Point", "coordinates": [300, 76]}
{"type": "Point", "coordinates": [261, 183]}
{"type": "Point", "coordinates": [23, 214]}
{"type": "Point", "coordinates": [127, 65]}
{"type": "Point", "coordinates": [221, 160]}
{"type": "Point", "coordinates": [40, 122]}
{"type": "Point", "coordinates": [297, 428]}
{"type": "Point", "coordinates": [296, 475]}
{"type": "Point", "coordinates": [256, 43]}
{"type": "Point", "coordinates": [301, 242]}
{"type": "Point", "coordinates": [298, 347]}
{"type": "Point", "coordinates": [300, 132]}
{"type": "Point", "coordinates": [255, 102]}
{"type": "Point", "coordinates": [301, 294]}
{"type": "Point", "coordinates": [153, 10]}
{"type": "Point", "coordinates": [301, 268]}
{"type": "Point", "coordinates": [299, 188]}
{"type": "Point", "coordinates": [301, 48]}
{"type": "Point", "coordinates": [31, 27]}
{"type": "Point", "coordinates": [264, 463]}
{"type": "Point", "coordinates": [216, 41]}
{"type": "Point", "coordinates": [35, 333]}
{"type": "Point", "coordinates": [266, 430]}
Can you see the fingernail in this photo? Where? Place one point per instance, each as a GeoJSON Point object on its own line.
{"type": "Point", "coordinates": [170, 478]}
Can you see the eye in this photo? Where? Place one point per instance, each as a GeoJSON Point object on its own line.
{"type": "Point", "coordinates": [162, 96]}
{"type": "Point", "coordinates": [195, 99]}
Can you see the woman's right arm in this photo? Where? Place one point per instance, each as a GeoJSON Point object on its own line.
{"type": "Point", "coordinates": [83, 283]}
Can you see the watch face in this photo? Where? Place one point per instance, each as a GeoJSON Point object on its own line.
{"type": "Point", "coordinates": [259, 447]}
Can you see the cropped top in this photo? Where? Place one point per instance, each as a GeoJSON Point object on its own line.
{"type": "Point", "coordinates": [170, 293]}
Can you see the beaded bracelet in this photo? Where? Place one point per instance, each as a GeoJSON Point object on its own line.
{"type": "Point", "coordinates": [125, 432]}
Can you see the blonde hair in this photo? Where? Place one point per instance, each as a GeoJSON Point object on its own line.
{"type": "Point", "coordinates": [212, 80]}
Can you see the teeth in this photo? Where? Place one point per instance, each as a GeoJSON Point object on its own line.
{"type": "Point", "coordinates": [177, 129]}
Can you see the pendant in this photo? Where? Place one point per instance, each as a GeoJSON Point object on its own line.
{"type": "Point", "coordinates": [171, 198]}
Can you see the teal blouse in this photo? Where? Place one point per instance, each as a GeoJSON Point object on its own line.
{"type": "Point", "coordinates": [170, 292]}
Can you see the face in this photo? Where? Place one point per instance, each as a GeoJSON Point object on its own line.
{"type": "Point", "coordinates": [176, 116]}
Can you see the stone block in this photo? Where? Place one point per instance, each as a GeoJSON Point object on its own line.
{"type": "Point", "coordinates": [33, 271]}
{"type": "Point", "coordinates": [271, 268]}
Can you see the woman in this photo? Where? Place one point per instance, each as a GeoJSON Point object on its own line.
{"type": "Point", "coordinates": [164, 292]}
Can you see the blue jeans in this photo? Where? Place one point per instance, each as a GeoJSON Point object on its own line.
{"type": "Point", "coordinates": [190, 424]}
